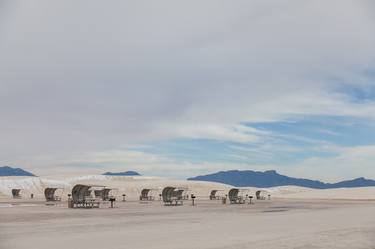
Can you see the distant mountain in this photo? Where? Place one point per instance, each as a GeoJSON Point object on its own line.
{"type": "Point", "coordinates": [9, 171]}
{"type": "Point", "coordinates": [358, 182]}
{"type": "Point", "coordinates": [126, 173]}
{"type": "Point", "coordinates": [271, 178]}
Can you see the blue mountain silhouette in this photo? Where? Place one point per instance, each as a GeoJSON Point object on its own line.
{"type": "Point", "coordinates": [126, 173]}
{"type": "Point", "coordinates": [9, 171]}
{"type": "Point", "coordinates": [270, 178]}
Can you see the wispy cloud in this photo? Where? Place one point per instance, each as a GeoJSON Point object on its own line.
{"type": "Point", "coordinates": [159, 72]}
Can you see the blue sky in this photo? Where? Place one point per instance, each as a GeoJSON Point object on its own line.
{"type": "Point", "coordinates": [282, 144]}
{"type": "Point", "coordinates": [178, 89]}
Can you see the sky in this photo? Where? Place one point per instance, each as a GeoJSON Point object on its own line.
{"type": "Point", "coordinates": [183, 88]}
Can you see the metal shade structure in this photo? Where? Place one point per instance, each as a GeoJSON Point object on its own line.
{"type": "Point", "coordinates": [82, 198]}
{"type": "Point", "coordinates": [214, 194]}
{"type": "Point", "coordinates": [16, 193]}
{"type": "Point", "coordinates": [50, 194]}
{"type": "Point", "coordinates": [235, 197]}
{"type": "Point", "coordinates": [146, 194]}
{"type": "Point", "coordinates": [173, 195]}
{"type": "Point", "coordinates": [102, 193]}
{"type": "Point", "coordinates": [81, 192]}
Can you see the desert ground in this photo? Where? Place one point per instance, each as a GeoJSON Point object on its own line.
{"type": "Point", "coordinates": [293, 218]}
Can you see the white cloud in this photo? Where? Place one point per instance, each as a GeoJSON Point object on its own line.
{"type": "Point", "coordinates": [74, 79]}
{"type": "Point", "coordinates": [350, 162]}
{"type": "Point", "coordinates": [122, 160]}
{"type": "Point", "coordinates": [235, 133]}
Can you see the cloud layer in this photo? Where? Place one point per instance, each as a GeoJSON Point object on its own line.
{"type": "Point", "coordinates": [79, 77]}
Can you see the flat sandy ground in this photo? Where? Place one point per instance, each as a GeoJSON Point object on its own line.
{"type": "Point", "coordinates": [278, 223]}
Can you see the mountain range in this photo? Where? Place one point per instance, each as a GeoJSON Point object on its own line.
{"type": "Point", "coordinates": [9, 171]}
{"type": "Point", "coordinates": [245, 178]}
{"type": "Point", "coordinates": [270, 178]}
{"type": "Point", "coordinates": [126, 173]}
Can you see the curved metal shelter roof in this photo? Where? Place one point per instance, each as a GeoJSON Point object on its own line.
{"type": "Point", "coordinates": [145, 192]}
{"type": "Point", "coordinates": [80, 192]}
{"type": "Point", "coordinates": [214, 194]}
{"type": "Point", "coordinates": [233, 193]}
{"type": "Point", "coordinates": [167, 193]}
{"type": "Point", "coordinates": [16, 192]}
{"type": "Point", "coordinates": [49, 194]}
{"type": "Point", "coordinates": [173, 194]}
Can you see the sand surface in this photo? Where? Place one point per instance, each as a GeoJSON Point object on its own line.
{"type": "Point", "coordinates": [278, 223]}
{"type": "Point", "coordinates": [295, 217]}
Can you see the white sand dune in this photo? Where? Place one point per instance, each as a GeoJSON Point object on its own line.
{"type": "Point", "coordinates": [363, 193]}
{"type": "Point", "coordinates": [129, 185]}
{"type": "Point", "coordinates": [28, 185]}
{"type": "Point", "coordinates": [132, 186]}
{"type": "Point", "coordinates": [296, 218]}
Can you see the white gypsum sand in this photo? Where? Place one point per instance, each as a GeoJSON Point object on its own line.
{"type": "Point", "coordinates": [294, 218]}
